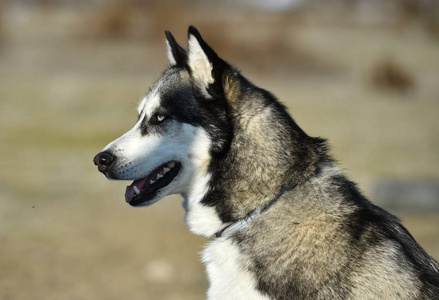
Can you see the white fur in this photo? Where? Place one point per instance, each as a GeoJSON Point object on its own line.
{"type": "Point", "coordinates": [200, 66]}
{"type": "Point", "coordinates": [171, 57]}
{"type": "Point", "coordinates": [227, 272]}
{"type": "Point", "coordinates": [133, 148]}
{"type": "Point", "coordinates": [149, 104]}
{"type": "Point", "coordinates": [201, 219]}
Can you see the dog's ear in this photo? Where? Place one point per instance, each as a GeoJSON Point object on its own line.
{"type": "Point", "coordinates": [176, 54]}
{"type": "Point", "coordinates": [204, 65]}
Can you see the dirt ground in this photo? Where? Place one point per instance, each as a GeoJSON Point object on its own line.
{"type": "Point", "coordinates": [65, 231]}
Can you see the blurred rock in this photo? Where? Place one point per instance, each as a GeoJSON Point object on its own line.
{"type": "Point", "coordinates": [389, 75]}
{"type": "Point", "coordinates": [405, 194]}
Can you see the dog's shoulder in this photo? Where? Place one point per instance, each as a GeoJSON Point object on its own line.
{"type": "Point", "coordinates": [326, 240]}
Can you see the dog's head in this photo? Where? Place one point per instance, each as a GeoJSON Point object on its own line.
{"type": "Point", "coordinates": [180, 125]}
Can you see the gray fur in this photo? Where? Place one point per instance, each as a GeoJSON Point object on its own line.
{"type": "Point", "coordinates": [321, 239]}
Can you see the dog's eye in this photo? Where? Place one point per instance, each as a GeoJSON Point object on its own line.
{"type": "Point", "coordinates": [157, 118]}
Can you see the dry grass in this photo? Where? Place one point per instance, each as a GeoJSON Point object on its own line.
{"type": "Point", "coordinates": [66, 232]}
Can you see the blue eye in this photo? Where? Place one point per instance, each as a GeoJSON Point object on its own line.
{"type": "Point", "coordinates": [157, 118]}
{"type": "Point", "coordinates": [160, 118]}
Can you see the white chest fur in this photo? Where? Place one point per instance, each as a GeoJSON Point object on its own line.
{"type": "Point", "coordinates": [227, 273]}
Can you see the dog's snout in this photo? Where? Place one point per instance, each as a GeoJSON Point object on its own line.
{"type": "Point", "coordinates": [103, 160]}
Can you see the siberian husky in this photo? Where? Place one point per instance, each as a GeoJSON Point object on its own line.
{"type": "Point", "coordinates": [284, 222]}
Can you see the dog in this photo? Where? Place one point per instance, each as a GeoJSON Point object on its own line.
{"type": "Point", "coordinates": [285, 222]}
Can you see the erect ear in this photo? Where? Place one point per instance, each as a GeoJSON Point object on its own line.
{"type": "Point", "coordinates": [204, 64]}
{"type": "Point", "coordinates": [176, 54]}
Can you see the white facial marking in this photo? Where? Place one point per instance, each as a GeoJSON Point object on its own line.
{"type": "Point", "coordinates": [150, 102]}
{"type": "Point", "coordinates": [138, 155]}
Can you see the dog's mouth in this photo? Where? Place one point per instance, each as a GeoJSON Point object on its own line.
{"type": "Point", "coordinates": [143, 190]}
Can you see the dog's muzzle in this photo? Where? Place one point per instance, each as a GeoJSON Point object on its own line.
{"type": "Point", "coordinates": [104, 160]}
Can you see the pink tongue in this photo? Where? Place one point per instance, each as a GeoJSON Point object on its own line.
{"type": "Point", "coordinates": [129, 193]}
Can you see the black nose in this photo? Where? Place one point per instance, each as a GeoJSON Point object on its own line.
{"type": "Point", "coordinates": [103, 160]}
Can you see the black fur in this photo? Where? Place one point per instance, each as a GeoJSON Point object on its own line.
{"type": "Point", "coordinates": [178, 52]}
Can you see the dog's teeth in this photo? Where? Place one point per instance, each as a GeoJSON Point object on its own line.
{"type": "Point", "coordinates": [159, 176]}
{"type": "Point", "coordinates": [166, 170]}
{"type": "Point", "coordinates": [136, 190]}
{"type": "Point", "coordinates": [171, 164]}
{"type": "Point", "coordinates": [151, 181]}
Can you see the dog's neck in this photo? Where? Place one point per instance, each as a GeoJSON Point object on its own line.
{"type": "Point", "coordinates": [243, 222]}
{"type": "Point", "coordinates": [268, 151]}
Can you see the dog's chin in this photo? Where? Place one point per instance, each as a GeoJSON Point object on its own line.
{"type": "Point", "coordinates": [141, 201]}
{"type": "Point", "coordinates": [154, 186]}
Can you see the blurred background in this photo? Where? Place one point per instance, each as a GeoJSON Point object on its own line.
{"type": "Point", "coordinates": [362, 73]}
